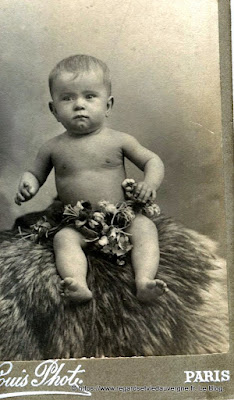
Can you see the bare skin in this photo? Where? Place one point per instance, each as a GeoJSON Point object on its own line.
{"type": "Point", "coordinates": [88, 160]}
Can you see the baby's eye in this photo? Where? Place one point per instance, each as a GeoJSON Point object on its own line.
{"type": "Point", "coordinates": [67, 98]}
{"type": "Point", "coordinates": [90, 96]}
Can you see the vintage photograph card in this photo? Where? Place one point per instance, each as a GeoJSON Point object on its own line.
{"type": "Point", "coordinates": [116, 171]}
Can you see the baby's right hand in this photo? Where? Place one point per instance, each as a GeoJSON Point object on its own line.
{"type": "Point", "coordinates": [24, 193]}
{"type": "Point", "coordinates": [28, 187]}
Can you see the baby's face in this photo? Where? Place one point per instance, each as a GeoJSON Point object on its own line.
{"type": "Point", "coordinates": [81, 103]}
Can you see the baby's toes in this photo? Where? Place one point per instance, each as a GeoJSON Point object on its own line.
{"type": "Point", "coordinates": [161, 285]}
{"type": "Point", "coordinates": [70, 284]}
{"type": "Point", "coordinates": [61, 287]}
{"type": "Point", "coordinates": [67, 281]}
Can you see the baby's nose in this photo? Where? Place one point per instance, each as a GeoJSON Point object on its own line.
{"type": "Point", "coordinates": [79, 104]}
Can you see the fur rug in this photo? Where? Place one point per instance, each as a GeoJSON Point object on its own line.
{"type": "Point", "coordinates": [36, 323]}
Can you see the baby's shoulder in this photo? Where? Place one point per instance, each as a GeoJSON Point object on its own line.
{"type": "Point", "coordinates": [120, 137]}
{"type": "Point", "coordinates": [50, 146]}
{"type": "Point", "coordinates": [56, 140]}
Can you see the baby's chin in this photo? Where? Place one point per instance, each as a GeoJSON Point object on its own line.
{"type": "Point", "coordinates": [81, 125]}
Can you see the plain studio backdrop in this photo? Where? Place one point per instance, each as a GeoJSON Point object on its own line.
{"type": "Point", "coordinates": [164, 60]}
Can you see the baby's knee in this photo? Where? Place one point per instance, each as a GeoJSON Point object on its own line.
{"type": "Point", "coordinates": [143, 224]}
{"type": "Point", "coordinates": [67, 237]}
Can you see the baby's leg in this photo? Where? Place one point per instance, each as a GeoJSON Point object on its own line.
{"type": "Point", "coordinates": [145, 258]}
{"type": "Point", "coordinates": [72, 264]}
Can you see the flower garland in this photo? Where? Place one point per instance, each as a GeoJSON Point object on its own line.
{"type": "Point", "coordinates": [105, 227]}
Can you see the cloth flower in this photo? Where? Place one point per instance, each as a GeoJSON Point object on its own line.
{"type": "Point", "coordinates": [42, 227]}
{"type": "Point", "coordinates": [152, 210]}
{"type": "Point", "coordinates": [107, 207]}
{"type": "Point", "coordinates": [128, 184]}
{"type": "Point", "coordinates": [92, 223]}
{"type": "Point", "coordinates": [99, 217]}
{"type": "Point", "coordinates": [103, 241]}
{"type": "Point", "coordinates": [78, 207]}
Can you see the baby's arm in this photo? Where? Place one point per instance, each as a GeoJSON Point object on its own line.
{"type": "Point", "coordinates": [33, 179]}
{"type": "Point", "coordinates": [148, 162]}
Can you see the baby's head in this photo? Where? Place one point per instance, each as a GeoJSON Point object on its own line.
{"type": "Point", "coordinates": [79, 64]}
{"type": "Point", "coordinates": [80, 87]}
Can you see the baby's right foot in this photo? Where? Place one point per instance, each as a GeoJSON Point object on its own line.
{"type": "Point", "coordinates": [72, 290]}
{"type": "Point", "coordinates": [149, 290]}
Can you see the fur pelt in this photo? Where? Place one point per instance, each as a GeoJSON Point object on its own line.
{"type": "Point", "coordinates": [36, 323]}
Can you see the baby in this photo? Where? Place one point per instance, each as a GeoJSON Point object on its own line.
{"type": "Point", "coordinates": [88, 159]}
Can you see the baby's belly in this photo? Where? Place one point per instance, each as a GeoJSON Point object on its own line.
{"type": "Point", "coordinates": [91, 185]}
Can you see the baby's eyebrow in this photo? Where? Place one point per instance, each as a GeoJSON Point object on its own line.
{"type": "Point", "coordinates": [69, 94]}
{"type": "Point", "coordinates": [90, 91]}
{"type": "Point", "coordinates": [66, 93]}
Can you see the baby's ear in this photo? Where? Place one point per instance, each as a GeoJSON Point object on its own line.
{"type": "Point", "coordinates": [110, 103]}
{"type": "Point", "coordinates": [53, 109]}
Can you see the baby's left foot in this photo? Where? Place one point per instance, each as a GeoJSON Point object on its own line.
{"type": "Point", "coordinates": [148, 290]}
{"type": "Point", "coordinates": [71, 289]}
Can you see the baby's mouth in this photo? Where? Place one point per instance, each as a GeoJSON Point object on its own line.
{"type": "Point", "coordinates": [80, 117]}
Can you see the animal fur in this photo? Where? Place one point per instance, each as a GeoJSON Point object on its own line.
{"type": "Point", "coordinates": [36, 323]}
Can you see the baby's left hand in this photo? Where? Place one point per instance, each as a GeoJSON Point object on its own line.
{"type": "Point", "coordinates": [144, 192]}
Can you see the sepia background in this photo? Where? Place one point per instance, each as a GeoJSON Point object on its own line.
{"type": "Point", "coordinates": [165, 72]}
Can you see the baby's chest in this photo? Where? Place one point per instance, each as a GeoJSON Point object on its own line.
{"type": "Point", "coordinates": [76, 158]}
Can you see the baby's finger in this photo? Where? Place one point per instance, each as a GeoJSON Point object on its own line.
{"type": "Point", "coordinates": [28, 187]}
{"type": "Point", "coordinates": [142, 194]}
{"type": "Point", "coordinates": [153, 195]}
{"type": "Point", "coordinates": [138, 188]}
{"type": "Point", "coordinates": [19, 199]}
{"type": "Point", "coordinates": [25, 192]}
{"type": "Point", "coordinates": [147, 195]}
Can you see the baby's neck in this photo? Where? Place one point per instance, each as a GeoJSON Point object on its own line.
{"type": "Point", "coordinates": [84, 134]}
